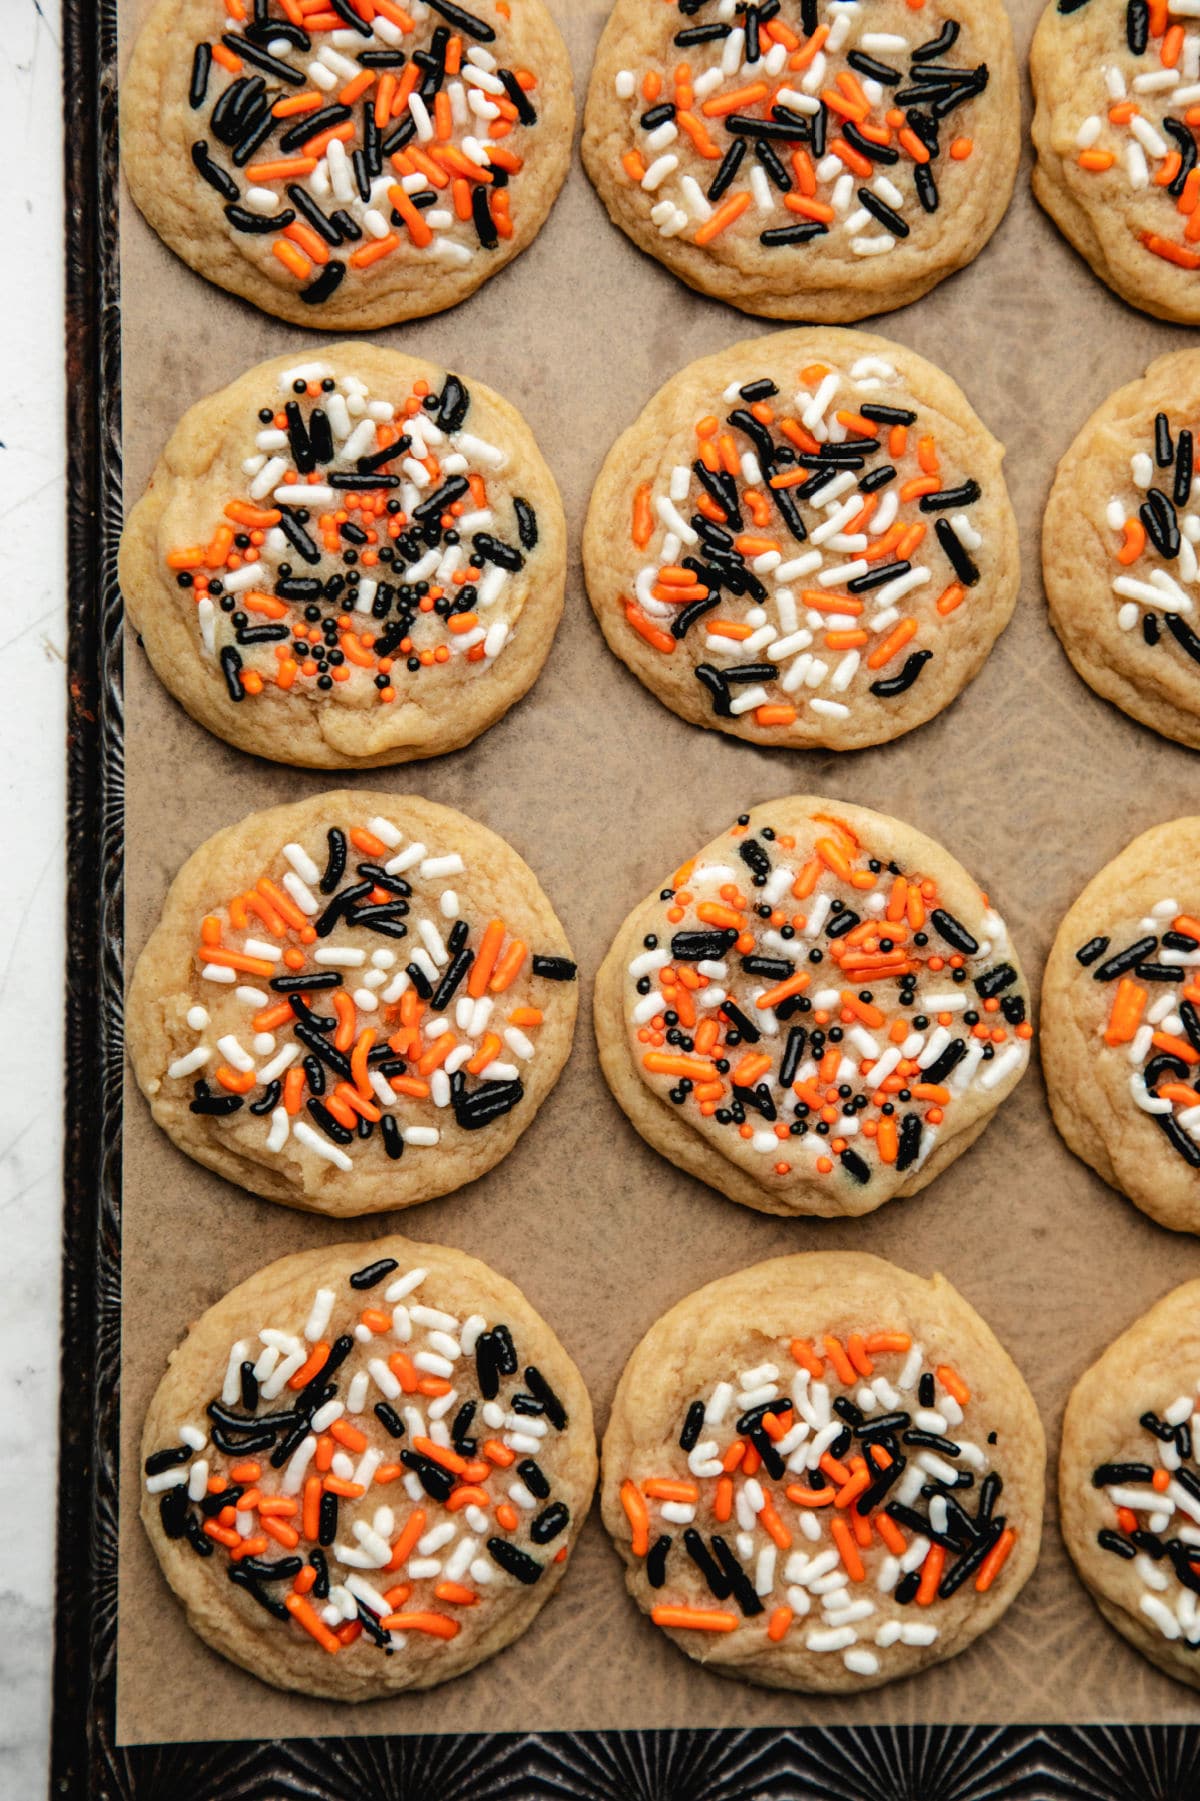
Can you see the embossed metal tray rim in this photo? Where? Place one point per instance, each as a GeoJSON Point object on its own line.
{"type": "Point", "coordinates": [914, 1763]}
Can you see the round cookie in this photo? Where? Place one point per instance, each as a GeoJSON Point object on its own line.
{"type": "Point", "coordinates": [1114, 86]}
{"type": "Point", "coordinates": [352, 1003]}
{"type": "Point", "coordinates": [1118, 549]}
{"type": "Point", "coordinates": [818, 163]}
{"type": "Point", "coordinates": [823, 1473]}
{"type": "Point", "coordinates": [837, 1048]}
{"type": "Point", "coordinates": [333, 1480]}
{"type": "Point", "coordinates": [311, 598]}
{"type": "Point", "coordinates": [249, 146]}
{"type": "Point", "coordinates": [1129, 1487]}
{"type": "Point", "coordinates": [1121, 1024]}
{"type": "Point", "coordinates": [804, 540]}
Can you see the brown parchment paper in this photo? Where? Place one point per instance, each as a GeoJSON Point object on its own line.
{"type": "Point", "coordinates": [1030, 779]}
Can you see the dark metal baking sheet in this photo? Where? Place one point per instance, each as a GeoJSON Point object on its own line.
{"type": "Point", "coordinates": [913, 1763]}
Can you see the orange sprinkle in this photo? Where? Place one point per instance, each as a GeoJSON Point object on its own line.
{"type": "Point", "coordinates": [696, 1619]}
{"type": "Point", "coordinates": [371, 253]}
{"type": "Point", "coordinates": [995, 1560]}
{"type": "Point", "coordinates": [437, 1625]}
{"type": "Point", "coordinates": [638, 1516]}
{"type": "Point", "coordinates": [848, 1551]}
{"type": "Point", "coordinates": [722, 219]}
{"type": "Point", "coordinates": [931, 1575]}
{"type": "Point", "coordinates": [953, 1383]}
{"type": "Point", "coordinates": [304, 1615]}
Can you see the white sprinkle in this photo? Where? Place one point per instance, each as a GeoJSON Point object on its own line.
{"type": "Point", "coordinates": [1162, 1616]}
{"type": "Point", "coordinates": [321, 1146]}
{"type": "Point", "coordinates": [157, 1485]}
{"type": "Point", "coordinates": [658, 171]}
{"type": "Point", "coordinates": [233, 1052]}
{"type": "Point", "coordinates": [1002, 1066]}
{"type": "Point", "coordinates": [830, 1639]}
{"type": "Point", "coordinates": [322, 1309]}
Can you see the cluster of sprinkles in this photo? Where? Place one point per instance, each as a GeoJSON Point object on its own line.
{"type": "Point", "coordinates": [824, 1007]}
{"type": "Point", "coordinates": [1156, 1519]}
{"type": "Point", "coordinates": [908, 1500]}
{"type": "Point", "coordinates": [1154, 1017]}
{"type": "Point", "coordinates": [1147, 89]}
{"type": "Point", "coordinates": [1158, 535]}
{"type": "Point", "coordinates": [331, 1043]}
{"type": "Point", "coordinates": [372, 538]}
{"type": "Point", "coordinates": [345, 130]}
{"type": "Point", "coordinates": [793, 557]}
{"type": "Point", "coordinates": [377, 1479]}
{"type": "Point", "coordinates": [797, 118]}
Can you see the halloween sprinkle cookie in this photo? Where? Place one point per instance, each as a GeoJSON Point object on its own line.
{"type": "Point", "coordinates": [823, 1473]}
{"type": "Point", "coordinates": [805, 540]}
{"type": "Point", "coordinates": [347, 560]}
{"type": "Point", "coordinates": [806, 159]}
{"type": "Point", "coordinates": [817, 1013]}
{"type": "Point", "coordinates": [366, 1467]}
{"type": "Point", "coordinates": [1121, 1024]}
{"type": "Point", "coordinates": [1119, 549]}
{"type": "Point", "coordinates": [347, 163]}
{"type": "Point", "coordinates": [1129, 1484]}
{"type": "Point", "coordinates": [1117, 91]}
{"type": "Point", "coordinates": [352, 1003]}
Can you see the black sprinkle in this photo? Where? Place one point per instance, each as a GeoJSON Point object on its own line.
{"type": "Point", "coordinates": [1179, 1140]}
{"type": "Point", "coordinates": [956, 553]}
{"type": "Point", "coordinates": [656, 1561]}
{"type": "Point", "coordinates": [327, 1519]}
{"type": "Point", "coordinates": [1183, 635]}
{"type": "Point", "coordinates": [538, 1386]}
{"type": "Point", "coordinates": [373, 1273]}
{"type": "Point", "coordinates": [1124, 960]}
{"type": "Point", "coordinates": [909, 1141]}
{"type": "Point", "coordinates": [886, 215]}
{"type": "Point", "coordinates": [326, 283]}
{"type": "Point", "coordinates": [689, 1436]}
{"type": "Point", "coordinates": [888, 688]}
{"type": "Point", "coordinates": [389, 1419]}
{"type": "Point", "coordinates": [516, 1562]}
{"type": "Point", "coordinates": [953, 931]}
{"type": "Point", "coordinates": [201, 64]}
{"type": "Point", "coordinates": [1137, 26]}
{"type": "Point", "coordinates": [462, 20]}
{"type": "Point", "coordinates": [549, 1523]}
{"type": "Point", "coordinates": [854, 1164]}
{"type": "Point", "coordinates": [1087, 953]}
{"type": "Point", "coordinates": [554, 969]}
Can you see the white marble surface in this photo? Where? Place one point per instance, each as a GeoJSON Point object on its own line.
{"type": "Point", "coordinates": [32, 718]}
